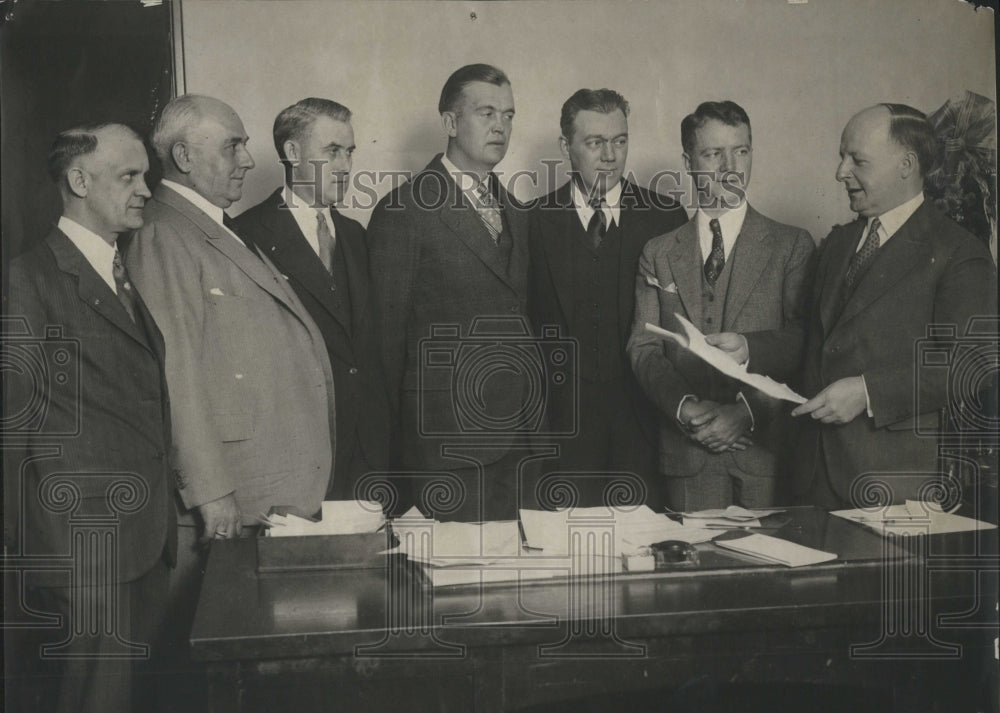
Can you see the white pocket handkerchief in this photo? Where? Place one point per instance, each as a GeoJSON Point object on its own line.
{"type": "Point", "coordinates": [653, 282]}
{"type": "Point", "coordinates": [217, 292]}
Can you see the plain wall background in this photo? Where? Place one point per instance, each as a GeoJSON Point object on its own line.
{"type": "Point", "coordinates": [800, 69]}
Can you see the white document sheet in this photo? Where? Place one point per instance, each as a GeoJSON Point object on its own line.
{"type": "Point", "coordinates": [776, 550]}
{"type": "Point", "coordinates": [694, 341]}
{"type": "Point", "coordinates": [913, 518]}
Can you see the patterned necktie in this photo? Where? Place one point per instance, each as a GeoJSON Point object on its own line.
{"type": "Point", "coordinates": [122, 284]}
{"type": "Point", "coordinates": [598, 225]}
{"type": "Point", "coordinates": [327, 244]}
{"type": "Point", "coordinates": [863, 257]}
{"type": "Point", "coordinates": [489, 210]}
{"type": "Point", "coordinates": [717, 258]}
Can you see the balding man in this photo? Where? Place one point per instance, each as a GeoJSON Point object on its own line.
{"type": "Point", "coordinates": [250, 382]}
{"type": "Point", "coordinates": [881, 281]}
{"type": "Point", "coordinates": [101, 434]}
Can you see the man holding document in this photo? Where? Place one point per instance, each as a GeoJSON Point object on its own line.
{"type": "Point", "coordinates": [881, 281]}
{"type": "Point", "coordinates": [731, 270]}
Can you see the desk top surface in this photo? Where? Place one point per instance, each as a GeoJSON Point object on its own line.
{"type": "Point", "coordinates": [246, 615]}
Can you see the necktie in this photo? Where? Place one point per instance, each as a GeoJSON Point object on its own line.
{"type": "Point", "coordinates": [122, 284]}
{"type": "Point", "coordinates": [489, 210]}
{"type": "Point", "coordinates": [229, 222]}
{"type": "Point", "coordinates": [326, 242]}
{"type": "Point", "coordinates": [717, 258]}
{"type": "Point", "coordinates": [863, 257]}
{"type": "Point", "coordinates": [598, 226]}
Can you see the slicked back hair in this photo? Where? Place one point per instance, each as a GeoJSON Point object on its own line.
{"type": "Point", "coordinates": [728, 112]}
{"type": "Point", "coordinates": [604, 101]}
{"type": "Point", "coordinates": [451, 93]}
{"type": "Point", "coordinates": [910, 128]}
{"type": "Point", "coordinates": [78, 141]}
{"type": "Point", "coordinates": [293, 122]}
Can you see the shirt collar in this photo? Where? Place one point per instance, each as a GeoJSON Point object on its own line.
{"type": "Point", "coordinates": [98, 252]}
{"type": "Point", "coordinates": [730, 222]}
{"type": "Point", "coordinates": [305, 217]}
{"type": "Point", "coordinates": [613, 199]}
{"type": "Point", "coordinates": [892, 220]}
{"type": "Point", "coordinates": [465, 180]}
{"type": "Point", "coordinates": [200, 202]}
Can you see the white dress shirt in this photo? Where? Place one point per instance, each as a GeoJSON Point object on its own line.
{"type": "Point", "coordinates": [612, 208]}
{"type": "Point", "coordinates": [730, 222]}
{"type": "Point", "coordinates": [205, 206]}
{"type": "Point", "coordinates": [99, 253]}
{"type": "Point", "coordinates": [305, 217]}
{"type": "Point", "coordinates": [891, 221]}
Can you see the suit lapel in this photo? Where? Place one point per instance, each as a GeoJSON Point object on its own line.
{"type": "Point", "coordinates": [462, 219]}
{"type": "Point", "coordinates": [750, 256]}
{"type": "Point", "coordinates": [839, 256]}
{"type": "Point", "coordinates": [904, 251]}
{"type": "Point", "coordinates": [91, 288]}
{"type": "Point", "coordinates": [557, 240]}
{"type": "Point", "coordinates": [685, 267]}
{"type": "Point", "coordinates": [261, 271]}
{"type": "Point", "coordinates": [634, 238]}
{"type": "Point", "coordinates": [356, 265]}
{"type": "Point", "coordinates": [516, 271]}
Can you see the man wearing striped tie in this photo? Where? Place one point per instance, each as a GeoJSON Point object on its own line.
{"type": "Point", "coordinates": [738, 276]}
{"type": "Point", "coordinates": [881, 281]}
{"type": "Point", "coordinates": [449, 261]}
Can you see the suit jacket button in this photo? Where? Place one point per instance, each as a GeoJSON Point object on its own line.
{"type": "Point", "coordinates": [353, 370]}
{"type": "Point", "coordinates": [513, 309]}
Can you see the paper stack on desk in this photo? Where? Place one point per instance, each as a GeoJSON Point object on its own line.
{"type": "Point", "coordinates": [776, 551]}
{"type": "Point", "coordinates": [612, 531]}
{"type": "Point", "coordinates": [914, 517]}
{"type": "Point", "coordinates": [452, 543]}
{"type": "Point", "coordinates": [720, 518]}
{"type": "Point", "coordinates": [339, 517]}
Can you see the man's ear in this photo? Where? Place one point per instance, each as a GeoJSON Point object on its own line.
{"type": "Point", "coordinates": [181, 155]}
{"type": "Point", "coordinates": [908, 164]}
{"type": "Point", "coordinates": [449, 121]}
{"type": "Point", "coordinates": [564, 147]}
{"type": "Point", "coordinates": [78, 181]}
{"type": "Point", "coordinates": [291, 150]}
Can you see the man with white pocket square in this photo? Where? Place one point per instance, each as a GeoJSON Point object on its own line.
{"type": "Point", "coordinates": [251, 389]}
{"type": "Point", "coordinates": [728, 270]}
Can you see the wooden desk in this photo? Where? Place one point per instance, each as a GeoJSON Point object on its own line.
{"type": "Point", "coordinates": [374, 640]}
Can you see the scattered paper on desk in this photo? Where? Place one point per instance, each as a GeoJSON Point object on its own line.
{"type": "Point", "coordinates": [611, 531]}
{"type": "Point", "coordinates": [732, 516]}
{"type": "Point", "coordinates": [340, 517]}
{"type": "Point", "coordinates": [694, 341]}
{"type": "Point", "coordinates": [776, 550]}
{"type": "Point", "coordinates": [913, 517]}
{"type": "Point", "coordinates": [451, 543]}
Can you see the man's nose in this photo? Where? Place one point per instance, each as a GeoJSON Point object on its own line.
{"type": "Point", "coordinates": [142, 189]}
{"type": "Point", "coordinates": [607, 152]}
{"type": "Point", "coordinates": [842, 171]}
{"type": "Point", "coordinates": [246, 160]}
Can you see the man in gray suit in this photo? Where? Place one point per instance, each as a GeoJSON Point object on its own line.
{"type": "Point", "coordinates": [247, 370]}
{"type": "Point", "coordinates": [729, 269]}
{"type": "Point", "coordinates": [449, 255]}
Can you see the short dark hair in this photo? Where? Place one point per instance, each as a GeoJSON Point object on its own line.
{"type": "Point", "coordinates": [78, 141]}
{"type": "Point", "coordinates": [451, 93]}
{"type": "Point", "coordinates": [728, 112]}
{"type": "Point", "coordinates": [602, 100]}
{"type": "Point", "coordinates": [294, 121]}
{"type": "Point", "coordinates": [910, 128]}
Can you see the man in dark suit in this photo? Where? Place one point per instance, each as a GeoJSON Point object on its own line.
{"type": "Point", "coordinates": [448, 248]}
{"type": "Point", "coordinates": [586, 237]}
{"type": "Point", "coordinates": [88, 435]}
{"type": "Point", "coordinates": [325, 257]}
{"type": "Point", "coordinates": [730, 270]}
{"type": "Point", "coordinates": [881, 281]}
